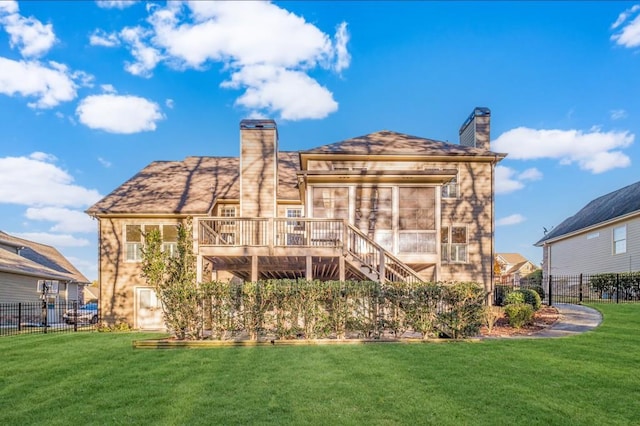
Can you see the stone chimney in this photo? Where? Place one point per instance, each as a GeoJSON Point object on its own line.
{"type": "Point", "coordinates": [258, 168]}
{"type": "Point", "coordinates": [476, 130]}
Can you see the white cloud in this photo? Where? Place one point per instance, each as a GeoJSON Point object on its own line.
{"type": "Point", "coordinates": [29, 35]}
{"type": "Point", "coordinates": [8, 7]}
{"type": "Point", "coordinates": [119, 114]}
{"type": "Point", "coordinates": [506, 181]}
{"type": "Point", "coordinates": [115, 4]}
{"type": "Point", "coordinates": [169, 103]}
{"type": "Point", "coordinates": [50, 84]}
{"type": "Point", "coordinates": [108, 88]}
{"type": "Point", "coordinates": [66, 220]}
{"type": "Point", "coordinates": [628, 23]}
{"type": "Point", "coordinates": [55, 240]}
{"type": "Point", "coordinates": [267, 50]}
{"type": "Point", "coordinates": [147, 57]}
{"type": "Point", "coordinates": [618, 114]}
{"type": "Point", "coordinates": [105, 163]}
{"type": "Point", "coordinates": [276, 89]}
{"type": "Point", "coordinates": [37, 182]}
{"type": "Point", "coordinates": [513, 219]}
{"type": "Point", "coordinates": [343, 58]}
{"type": "Point", "coordinates": [101, 38]}
{"type": "Point", "coordinates": [595, 150]}
{"type": "Point", "coordinates": [531, 174]}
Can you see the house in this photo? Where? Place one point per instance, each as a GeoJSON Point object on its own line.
{"type": "Point", "coordinates": [385, 206]}
{"type": "Point", "coordinates": [513, 266]}
{"type": "Point", "coordinates": [604, 236]}
{"type": "Point", "coordinates": [23, 264]}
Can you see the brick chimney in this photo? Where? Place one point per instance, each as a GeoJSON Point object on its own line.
{"type": "Point", "coordinates": [258, 168]}
{"type": "Point", "coordinates": [476, 130]}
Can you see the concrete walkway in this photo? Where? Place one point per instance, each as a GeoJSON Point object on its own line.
{"type": "Point", "coordinates": [574, 319]}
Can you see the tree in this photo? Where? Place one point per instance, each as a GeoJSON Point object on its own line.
{"type": "Point", "coordinates": [174, 280]}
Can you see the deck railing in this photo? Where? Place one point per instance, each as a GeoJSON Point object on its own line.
{"type": "Point", "coordinates": [306, 232]}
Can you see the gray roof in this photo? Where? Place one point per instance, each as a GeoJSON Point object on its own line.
{"type": "Point", "coordinates": [26, 257]}
{"type": "Point", "coordinates": [605, 208]}
{"type": "Point", "coordinates": [386, 142]}
{"type": "Point", "coordinates": [190, 186]}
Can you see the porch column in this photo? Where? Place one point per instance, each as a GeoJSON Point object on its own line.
{"type": "Point", "coordinates": [341, 269]}
{"type": "Point", "coordinates": [254, 268]}
{"type": "Point", "coordinates": [199, 264]}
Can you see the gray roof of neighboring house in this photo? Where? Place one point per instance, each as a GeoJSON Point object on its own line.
{"type": "Point", "coordinates": [26, 257]}
{"type": "Point", "coordinates": [607, 207]}
{"type": "Point", "coordinates": [386, 142]}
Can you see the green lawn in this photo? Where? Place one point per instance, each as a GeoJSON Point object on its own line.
{"type": "Point", "coordinates": [98, 378]}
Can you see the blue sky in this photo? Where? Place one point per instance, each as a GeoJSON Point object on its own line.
{"type": "Point", "coordinates": [91, 92]}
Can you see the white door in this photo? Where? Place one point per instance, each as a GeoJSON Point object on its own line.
{"type": "Point", "coordinates": [148, 310]}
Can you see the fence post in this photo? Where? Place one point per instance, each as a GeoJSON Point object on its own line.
{"type": "Point", "coordinates": [19, 316]}
{"type": "Point", "coordinates": [580, 290]}
{"type": "Point", "coordinates": [550, 291]}
{"type": "Point", "coordinates": [44, 314]}
{"type": "Point", "coordinates": [75, 312]}
{"type": "Point", "coordinates": [617, 288]}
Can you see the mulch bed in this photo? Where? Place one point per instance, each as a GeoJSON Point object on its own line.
{"type": "Point", "coordinates": [543, 318]}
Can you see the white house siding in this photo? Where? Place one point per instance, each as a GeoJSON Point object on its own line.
{"type": "Point", "coordinates": [592, 252]}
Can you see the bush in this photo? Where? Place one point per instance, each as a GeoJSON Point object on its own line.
{"type": "Point", "coordinates": [531, 297]}
{"type": "Point", "coordinates": [501, 292]}
{"type": "Point", "coordinates": [519, 314]}
{"type": "Point", "coordinates": [516, 296]}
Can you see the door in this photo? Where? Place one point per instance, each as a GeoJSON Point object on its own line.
{"type": "Point", "coordinates": [148, 310]}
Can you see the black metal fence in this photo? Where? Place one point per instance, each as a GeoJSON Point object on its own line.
{"type": "Point", "coordinates": [600, 288]}
{"type": "Point", "coordinates": [40, 317]}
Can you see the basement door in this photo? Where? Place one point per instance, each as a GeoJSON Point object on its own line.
{"type": "Point", "coordinates": [148, 310]}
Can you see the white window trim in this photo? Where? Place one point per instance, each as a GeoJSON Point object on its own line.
{"type": "Point", "coordinates": [623, 239]}
{"type": "Point", "coordinates": [171, 246]}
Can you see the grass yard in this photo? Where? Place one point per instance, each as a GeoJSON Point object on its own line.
{"type": "Point", "coordinates": [97, 378]}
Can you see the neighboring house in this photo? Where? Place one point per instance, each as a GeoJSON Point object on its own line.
{"type": "Point", "coordinates": [385, 206]}
{"type": "Point", "coordinates": [602, 237]}
{"type": "Point", "coordinates": [513, 266]}
{"type": "Point", "coordinates": [23, 263]}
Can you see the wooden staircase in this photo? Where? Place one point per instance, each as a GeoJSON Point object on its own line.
{"type": "Point", "coordinates": [372, 262]}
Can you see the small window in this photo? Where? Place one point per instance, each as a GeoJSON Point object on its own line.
{"type": "Point", "coordinates": [297, 225]}
{"type": "Point", "coordinates": [620, 239]}
{"type": "Point", "coordinates": [450, 190]}
{"type": "Point", "coordinates": [133, 243]}
{"type": "Point", "coordinates": [454, 244]}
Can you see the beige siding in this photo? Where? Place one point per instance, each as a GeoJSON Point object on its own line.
{"type": "Point", "coordinates": [592, 252]}
{"type": "Point", "coordinates": [473, 208]}
{"type": "Point", "coordinates": [118, 277]}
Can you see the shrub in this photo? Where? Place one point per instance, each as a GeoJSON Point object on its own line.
{"type": "Point", "coordinates": [490, 316]}
{"type": "Point", "coordinates": [516, 296]}
{"type": "Point", "coordinates": [531, 297]}
{"type": "Point", "coordinates": [463, 315]}
{"type": "Point", "coordinates": [519, 314]}
{"type": "Point", "coordinates": [501, 292]}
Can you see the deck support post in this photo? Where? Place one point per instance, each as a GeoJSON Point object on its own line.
{"type": "Point", "coordinates": [254, 268]}
{"type": "Point", "coordinates": [309, 269]}
{"type": "Point", "coordinates": [341, 269]}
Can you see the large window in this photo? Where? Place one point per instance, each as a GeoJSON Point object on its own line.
{"type": "Point", "coordinates": [417, 220]}
{"type": "Point", "coordinates": [620, 239]}
{"type": "Point", "coordinates": [134, 240]}
{"type": "Point", "coordinates": [331, 203]}
{"type": "Point", "coordinates": [374, 209]}
{"type": "Point", "coordinates": [454, 244]}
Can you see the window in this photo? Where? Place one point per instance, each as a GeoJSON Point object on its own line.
{"type": "Point", "coordinates": [454, 244]}
{"type": "Point", "coordinates": [331, 203]}
{"type": "Point", "coordinates": [450, 190]}
{"type": "Point", "coordinates": [373, 209]}
{"type": "Point", "coordinates": [133, 243]}
{"type": "Point", "coordinates": [134, 240]}
{"type": "Point", "coordinates": [297, 225]}
{"type": "Point", "coordinates": [620, 239]}
{"type": "Point", "coordinates": [417, 220]}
